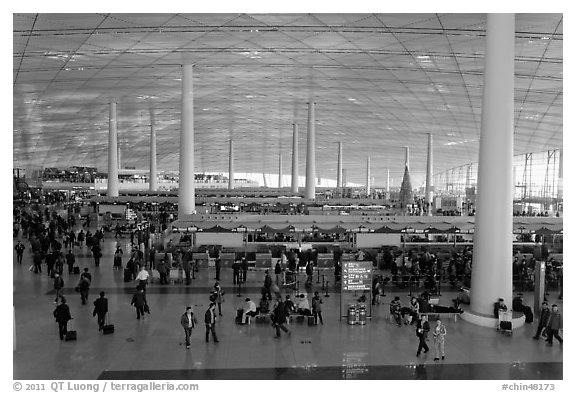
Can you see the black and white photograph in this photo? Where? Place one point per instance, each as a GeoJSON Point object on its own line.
{"type": "Point", "coordinates": [202, 197]}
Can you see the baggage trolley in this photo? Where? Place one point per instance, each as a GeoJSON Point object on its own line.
{"type": "Point", "coordinates": [289, 280]}
{"type": "Point", "coordinates": [505, 322]}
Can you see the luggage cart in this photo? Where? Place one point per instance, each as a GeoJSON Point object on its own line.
{"type": "Point", "coordinates": [289, 280]}
{"type": "Point", "coordinates": [505, 322]}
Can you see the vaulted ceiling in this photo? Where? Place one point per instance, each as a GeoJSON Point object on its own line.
{"type": "Point", "coordinates": [380, 81]}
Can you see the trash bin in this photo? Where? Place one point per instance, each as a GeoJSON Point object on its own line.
{"type": "Point", "coordinates": [351, 314]}
{"type": "Point", "coordinates": [362, 315]}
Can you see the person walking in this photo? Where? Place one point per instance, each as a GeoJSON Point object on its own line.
{"type": "Point", "coordinates": [542, 321]}
{"type": "Point", "coordinates": [70, 261]}
{"type": "Point", "coordinates": [139, 301]}
{"type": "Point", "coordinates": [236, 272]}
{"type": "Point", "coordinates": [278, 272]}
{"type": "Point", "coordinates": [244, 269]}
{"type": "Point", "coordinates": [438, 335]}
{"type": "Point", "coordinates": [62, 316]}
{"type": "Point", "coordinates": [279, 318]}
{"type": "Point", "coordinates": [186, 266]}
{"type": "Point", "coordinates": [554, 325]}
{"type": "Point", "coordinates": [97, 253]}
{"type": "Point", "coordinates": [188, 321]}
{"type": "Point", "coordinates": [19, 251]}
{"type": "Point", "coordinates": [218, 295]}
{"type": "Point", "coordinates": [118, 258]}
{"type": "Point", "coordinates": [81, 237]}
{"type": "Point", "coordinates": [100, 310]}
{"type": "Point", "coordinates": [217, 266]}
{"type": "Point", "coordinates": [317, 308]}
{"type": "Point", "coordinates": [210, 320]}
{"type": "Point", "coordinates": [58, 285]}
{"type": "Point", "coordinates": [151, 257]}
{"type": "Point", "coordinates": [84, 285]}
{"type": "Point", "coordinates": [309, 273]}
{"type": "Point", "coordinates": [422, 329]}
{"type": "Point", "coordinates": [163, 271]}
{"type": "Point", "coordinates": [267, 285]}
{"type": "Point", "coordinates": [142, 277]}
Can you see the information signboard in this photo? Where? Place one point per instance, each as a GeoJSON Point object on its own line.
{"type": "Point", "coordinates": [356, 276]}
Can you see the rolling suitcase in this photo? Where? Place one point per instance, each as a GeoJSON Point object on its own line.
{"type": "Point", "coordinates": [506, 326]}
{"type": "Point", "coordinates": [76, 269]}
{"type": "Point", "coordinates": [70, 335]}
{"type": "Point", "coordinates": [108, 328]}
{"type": "Point", "coordinates": [311, 321]}
{"type": "Point", "coordinates": [238, 319]}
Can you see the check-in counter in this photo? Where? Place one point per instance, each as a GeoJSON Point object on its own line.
{"type": "Point", "coordinates": [263, 261]}
{"type": "Point", "coordinates": [201, 259]}
{"type": "Point", "coordinates": [325, 260]}
{"type": "Point", "coordinates": [227, 259]}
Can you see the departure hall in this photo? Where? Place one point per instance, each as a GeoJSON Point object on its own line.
{"type": "Point", "coordinates": [288, 196]}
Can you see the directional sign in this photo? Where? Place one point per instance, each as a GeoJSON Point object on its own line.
{"type": "Point", "coordinates": [357, 276]}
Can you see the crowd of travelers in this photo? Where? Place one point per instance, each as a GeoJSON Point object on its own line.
{"type": "Point", "coordinates": [54, 241]}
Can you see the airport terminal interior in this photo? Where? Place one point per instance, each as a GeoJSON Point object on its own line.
{"type": "Point", "coordinates": [334, 196]}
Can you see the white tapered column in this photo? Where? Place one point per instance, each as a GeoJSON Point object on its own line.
{"type": "Point", "coordinates": [280, 185]}
{"type": "Point", "coordinates": [231, 166]}
{"type": "Point", "coordinates": [492, 267]}
{"type": "Point", "coordinates": [387, 179]}
{"type": "Point", "coordinates": [311, 154]}
{"type": "Point", "coordinates": [339, 168]}
{"type": "Point", "coordinates": [186, 197]}
{"type": "Point", "coordinates": [153, 174]}
{"type": "Point", "coordinates": [112, 190]}
{"type": "Point", "coordinates": [560, 191]}
{"type": "Point", "coordinates": [429, 181]}
{"type": "Point", "coordinates": [294, 188]}
{"type": "Point", "coordinates": [368, 177]}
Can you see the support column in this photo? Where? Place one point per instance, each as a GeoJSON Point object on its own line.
{"type": "Point", "coordinates": [339, 168]}
{"type": "Point", "coordinates": [119, 155]}
{"type": "Point", "coordinates": [492, 267]}
{"type": "Point", "coordinates": [294, 158]}
{"type": "Point", "coordinates": [231, 166]}
{"type": "Point", "coordinates": [311, 154]}
{"type": "Point", "coordinates": [344, 177]}
{"type": "Point", "coordinates": [153, 174]}
{"type": "Point", "coordinates": [186, 197]}
{"type": "Point", "coordinates": [387, 179]}
{"type": "Point", "coordinates": [368, 177]}
{"type": "Point", "coordinates": [560, 191]}
{"type": "Point", "coordinates": [112, 153]}
{"type": "Point", "coordinates": [280, 185]}
{"type": "Point", "coordinates": [429, 179]}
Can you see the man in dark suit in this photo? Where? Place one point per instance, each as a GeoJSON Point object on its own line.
{"type": "Point", "coordinates": [422, 329]}
{"type": "Point", "coordinates": [101, 309]}
{"type": "Point", "coordinates": [543, 320]}
{"type": "Point", "coordinates": [62, 316]}
{"type": "Point", "coordinates": [188, 321]}
{"type": "Point", "coordinates": [210, 320]}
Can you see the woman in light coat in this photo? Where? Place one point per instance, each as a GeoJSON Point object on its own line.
{"type": "Point", "coordinates": [438, 334]}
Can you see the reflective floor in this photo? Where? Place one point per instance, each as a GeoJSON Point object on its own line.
{"type": "Point", "coordinates": [153, 348]}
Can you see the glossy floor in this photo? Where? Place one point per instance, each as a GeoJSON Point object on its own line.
{"type": "Point", "coordinates": [153, 348]}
